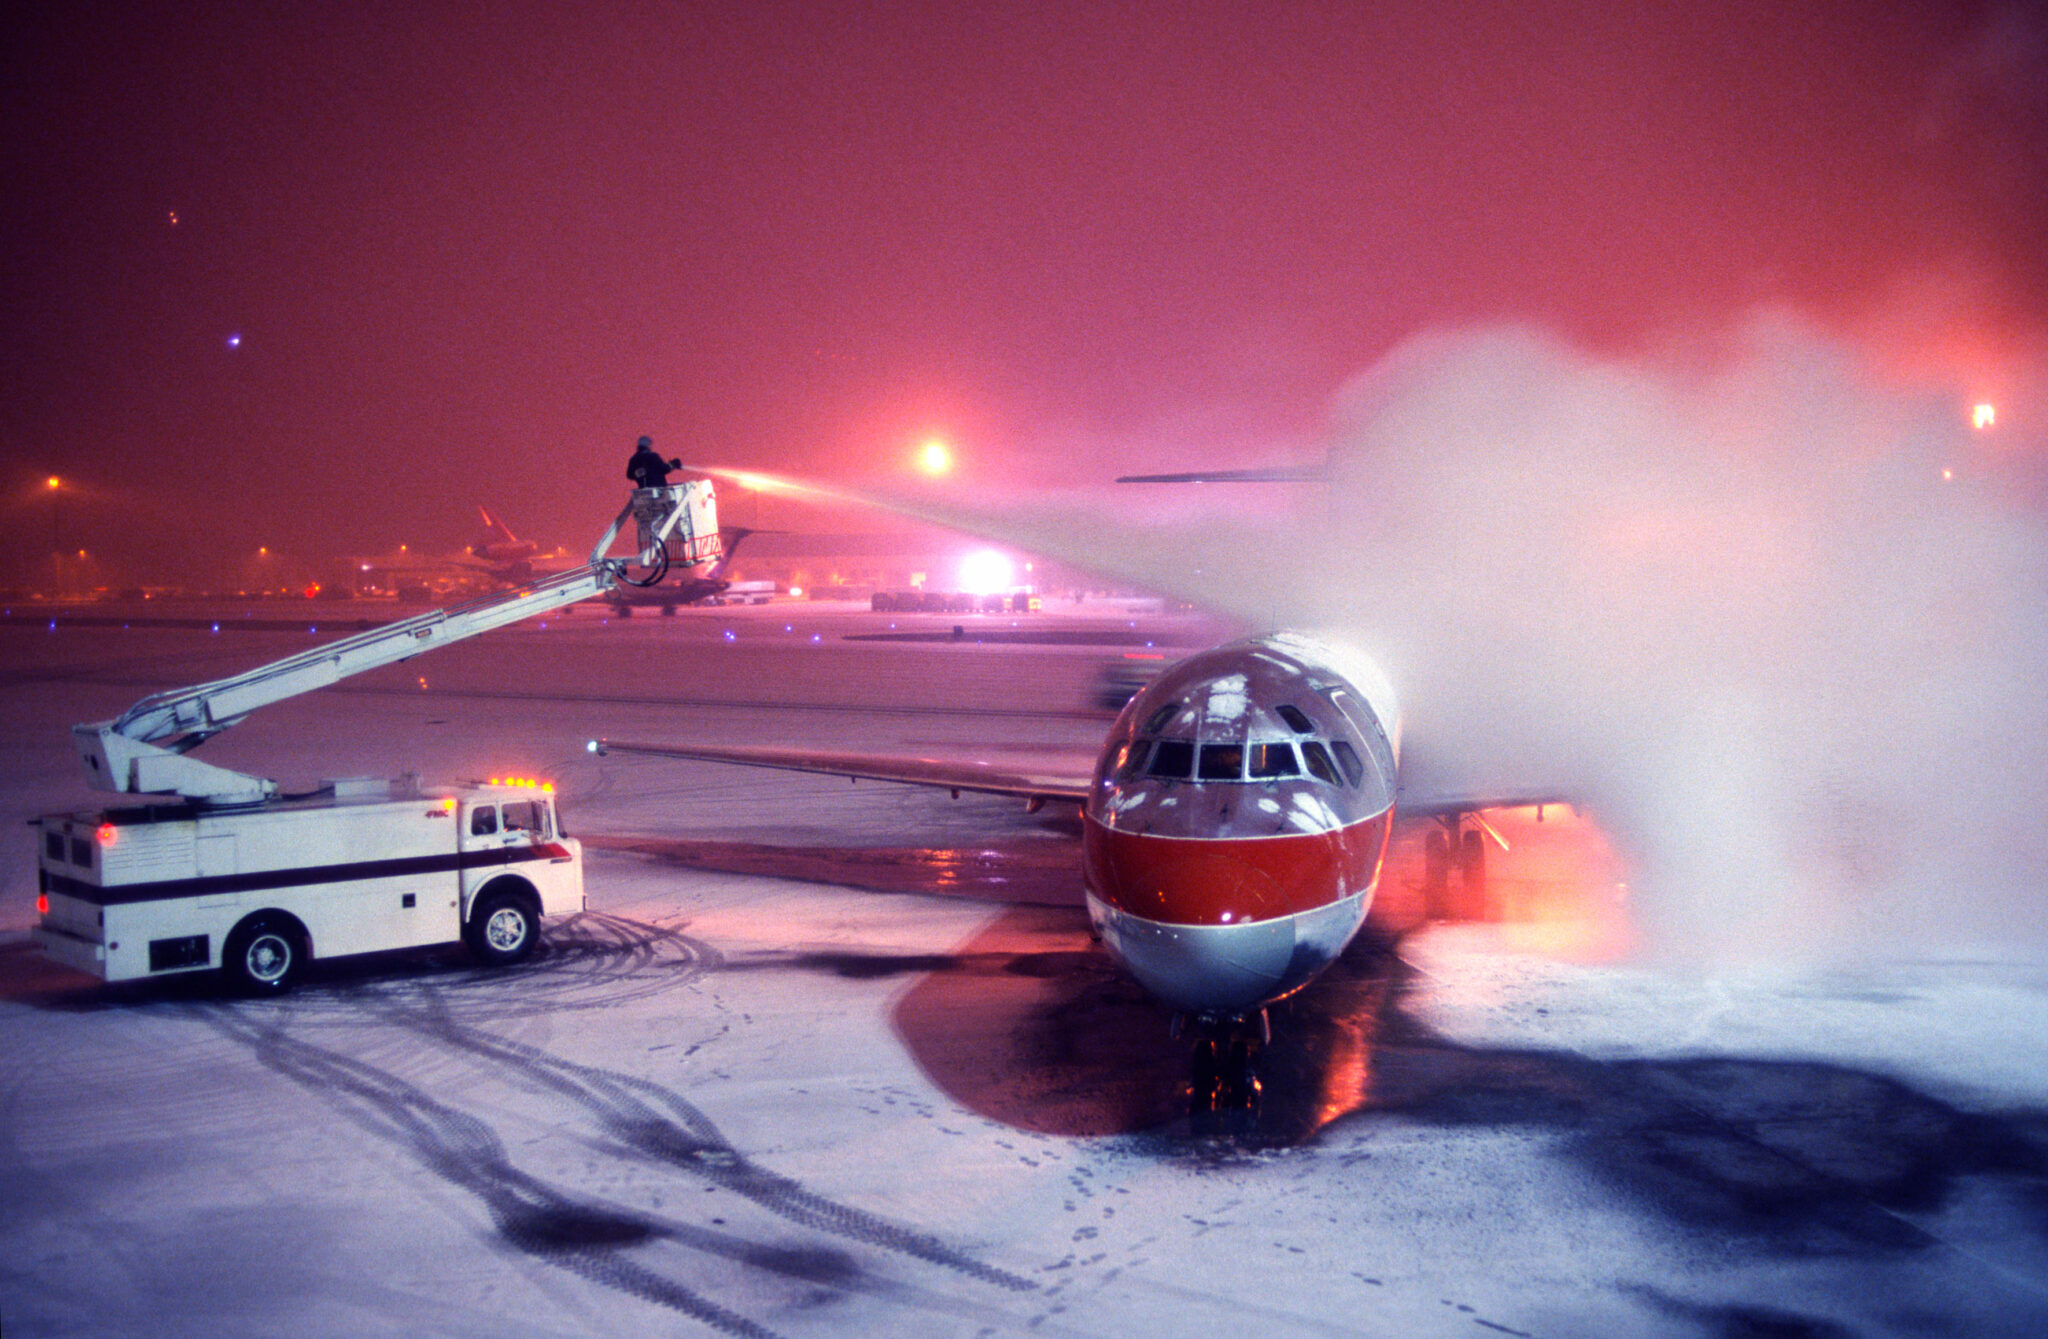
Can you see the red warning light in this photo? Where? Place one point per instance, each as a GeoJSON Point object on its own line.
{"type": "Point", "coordinates": [106, 834]}
{"type": "Point", "coordinates": [42, 904]}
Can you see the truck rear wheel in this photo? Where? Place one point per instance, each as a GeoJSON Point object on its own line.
{"type": "Point", "coordinates": [503, 929]}
{"type": "Point", "coordinates": [263, 955]}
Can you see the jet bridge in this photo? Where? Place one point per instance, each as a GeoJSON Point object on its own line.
{"type": "Point", "coordinates": [144, 749]}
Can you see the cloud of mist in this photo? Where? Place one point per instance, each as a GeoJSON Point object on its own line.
{"type": "Point", "coordinates": [1725, 594]}
{"type": "Point", "coordinates": [1729, 597]}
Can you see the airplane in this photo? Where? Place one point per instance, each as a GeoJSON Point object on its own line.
{"type": "Point", "coordinates": [1235, 823]}
{"type": "Point", "coordinates": [497, 558]}
{"type": "Point", "coordinates": [508, 557]}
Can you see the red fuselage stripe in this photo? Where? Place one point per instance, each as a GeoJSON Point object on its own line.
{"type": "Point", "coordinates": [1186, 881]}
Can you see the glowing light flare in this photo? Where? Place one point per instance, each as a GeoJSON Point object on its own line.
{"type": "Point", "coordinates": [934, 459]}
{"type": "Point", "coordinates": [1983, 416]}
{"type": "Point", "coordinates": [107, 834]}
{"type": "Point", "coordinates": [985, 572]}
{"type": "Point", "coordinates": [53, 483]}
{"type": "Point", "coordinates": [42, 904]}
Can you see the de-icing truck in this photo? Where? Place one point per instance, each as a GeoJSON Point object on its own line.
{"type": "Point", "coordinates": [216, 869]}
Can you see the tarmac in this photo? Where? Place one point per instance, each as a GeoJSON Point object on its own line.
{"type": "Point", "coordinates": [824, 1058]}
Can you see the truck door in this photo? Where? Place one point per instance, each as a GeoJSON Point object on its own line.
{"type": "Point", "coordinates": [489, 845]}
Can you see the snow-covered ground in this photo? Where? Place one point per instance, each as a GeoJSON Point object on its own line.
{"type": "Point", "coordinates": [826, 1059]}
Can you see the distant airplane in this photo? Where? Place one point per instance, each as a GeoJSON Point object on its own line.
{"type": "Point", "coordinates": [496, 558]}
{"type": "Point", "coordinates": [508, 557]}
{"type": "Point", "coordinates": [1235, 820]}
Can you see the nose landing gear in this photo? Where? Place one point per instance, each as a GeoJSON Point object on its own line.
{"type": "Point", "coordinates": [1223, 1085]}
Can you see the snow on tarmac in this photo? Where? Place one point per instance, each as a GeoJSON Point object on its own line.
{"type": "Point", "coordinates": [825, 1058]}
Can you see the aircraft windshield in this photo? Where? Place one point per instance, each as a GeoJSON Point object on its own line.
{"type": "Point", "coordinates": [1221, 762]}
{"type": "Point", "coordinates": [1318, 761]}
{"type": "Point", "coordinates": [1172, 758]}
{"type": "Point", "coordinates": [1273, 760]}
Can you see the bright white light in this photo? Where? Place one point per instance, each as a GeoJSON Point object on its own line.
{"type": "Point", "coordinates": [935, 458]}
{"type": "Point", "coordinates": [1984, 415]}
{"type": "Point", "coordinates": [984, 572]}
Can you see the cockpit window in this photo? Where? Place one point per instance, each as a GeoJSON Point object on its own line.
{"type": "Point", "coordinates": [1158, 719]}
{"type": "Point", "coordinates": [1172, 758]}
{"type": "Point", "coordinates": [1271, 760]}
{"type": "Point", "coordinates": [1317, 759]}
{"type": "Point", "coordinates": [1221, 762]}
{"type": "Point", "coordinates": [1294, 718]}
{"type": "Point", "coordinates": [1347, 758]}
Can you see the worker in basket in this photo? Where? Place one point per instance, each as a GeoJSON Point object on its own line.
{"type": "Point", "coordinates": [648, 470]}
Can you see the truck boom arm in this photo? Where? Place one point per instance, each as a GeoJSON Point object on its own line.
{"type": "Point", "coordinates": [144, 748]}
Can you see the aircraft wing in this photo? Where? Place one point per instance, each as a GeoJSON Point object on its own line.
{"type": "Point", "coordinates": [1431, 787]}
{"type": "Point", "coordinates": [1279, 474]}
{"type": "Point", "coordinates": [1066, 782]}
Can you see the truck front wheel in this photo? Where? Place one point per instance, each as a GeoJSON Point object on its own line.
{"type": "Point", "coordinates": [263, 955]}
{"type": "Point", "coordinates": [503, 929]}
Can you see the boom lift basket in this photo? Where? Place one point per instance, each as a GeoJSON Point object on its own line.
{"type": "Point", "coordinates": [674, 524]}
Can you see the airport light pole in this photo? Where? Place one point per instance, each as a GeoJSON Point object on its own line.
{"type": "Point", "coordinates": [56, 491]}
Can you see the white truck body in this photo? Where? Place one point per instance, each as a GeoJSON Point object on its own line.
{"type": "Point", "coordinates": [157, 889]}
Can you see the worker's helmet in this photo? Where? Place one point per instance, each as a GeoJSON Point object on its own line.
{"type": "Point", "coordinates": [646, 443]}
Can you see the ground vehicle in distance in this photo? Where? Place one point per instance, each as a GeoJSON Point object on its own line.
{"type": "Point", "coordinates": [356, 867]}
{"type": "Point", "coordinates": [217, 869]}
{"type": "Point", "coordinates": [917, 601]}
